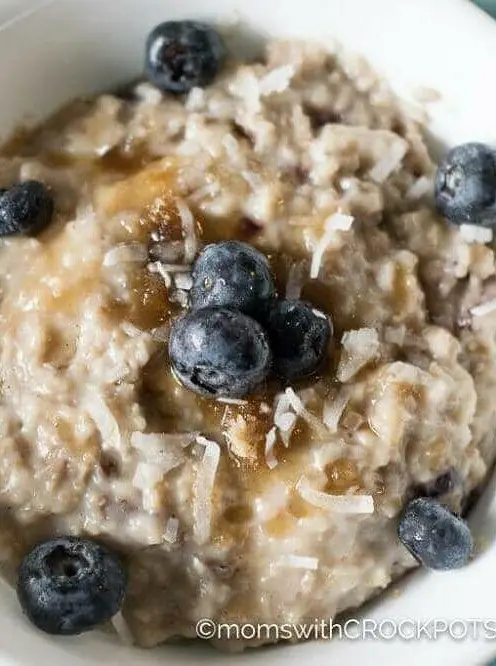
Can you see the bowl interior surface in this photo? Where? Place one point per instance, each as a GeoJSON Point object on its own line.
{"type": "Point", "coordinates": [59, 49]}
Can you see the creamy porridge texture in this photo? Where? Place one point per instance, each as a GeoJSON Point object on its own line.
{"type": "Point", "coordinates": [282, 506]}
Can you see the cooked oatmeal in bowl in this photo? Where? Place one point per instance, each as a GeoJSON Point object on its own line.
{"type": "Point", "coordinates": [247, 348]}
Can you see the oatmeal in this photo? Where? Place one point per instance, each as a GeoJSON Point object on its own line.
{"type": "Point", "coordinates": [283, 505]}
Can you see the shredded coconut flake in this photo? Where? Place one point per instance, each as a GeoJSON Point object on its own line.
{"type": "Point", "coordinates": [131, 330]}
{"type": "Point", "coordinates": [171, 530]}
{"type": "Point", "coordinates": [298, 406]}
{"type": "Point", "coordinates": [148, 93]}
{"type": "Point", "coordinates": [163, 450]}
{"type": "Point", "coordinates": [176, 268]}
{"type": "Point", "coordinates": [122, 629]}
{"type": "Point", "coordinates": [104, 420]}
{"type": "Point", "coordinates": [231, 146]}
{"type": "Point", "coordinates": [145, 479]}
{"type": "Point", "coordinates": [352, 421]}
{"type": "Point", "coordinates": [333, 410]}
{"type": "Point", "coordinates": [282, 404]}
{"type": "Point", "coordinates": [285, 420]}
{"type": "Point", "coordinates": [189, 230]}
{"type": "Point", "coordinates": [484, 308]}
{"type": "Point", "coordinates": [359, 347]}
{"type": "Point", "coordinates": [333, 224]}
{"type": "Point", "coordinates": [282, 412]}
{"type": "Point", "coordinates": [170, 252]}
{"type": "Point", "coordinates": [241, 445]}
{"type": "Point", "coordinates": [179, 296]}
{"type": "Point", "coordinates": [339, 222]}
{"type": "Point", "coordinates": [143, 441]}
{"type": "Point", "coordinates": [247, 87]}
{"type": "Point", "coordinates": [195, 100]}
{"type": "Point", "coordinates": [270, 441]}
{"type": "Point", "coordinates": [147, 475]}
{"type": "Point", "coordinates": [420, 188]}
{"type": "Point", "coordinates": [294, 284]}
{"type": "Point", "coordinates": [272, 501]}
{"type": "Point", "coordinates": [298, 562]}
{"type": "Point", "coordinates": [389, 162]}
{"type": "Point", "coordinates": [125, 253]}
{"type": "Point", "coordinates": [158, 268]}
{"type": "Point", "coordinates": [204, 483]}
{"type": "Point", "coordinates": [206, 192]}
{"type": "Point", "coordinates": [252, 178]}
{"type": "Point", "coordinates": [345, 504]}
{"type": "Point", "coordinates": [471, 233]}
{"type": "Point", "coordinates": [277, 80]}
{"type": "Point", "coordinates": [232, 401]}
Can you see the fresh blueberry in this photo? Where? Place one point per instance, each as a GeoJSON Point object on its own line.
{"type": "Point", "coordinates": [69, 585]}
{"type": "Point", "coordinates": [436, 537]}
{"type": "Point", "coordinates": [219, 352]}
{"type": "Point", "coordinates": [26, 208]}
{"type": "Point", "coordinates": [466, 185]}
{"type": "Point", "coordinates": [181, 55]}
{"type": "Point", "coordinates": [299, 335]}
{"type": "Point", "coordinates": [234, 275]}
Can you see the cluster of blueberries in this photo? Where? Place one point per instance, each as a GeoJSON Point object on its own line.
{"type": "Point", "coordinates": [236, 333]}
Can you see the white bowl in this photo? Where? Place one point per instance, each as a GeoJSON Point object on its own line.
{"type": "Point", "coordinates": [53, 50]}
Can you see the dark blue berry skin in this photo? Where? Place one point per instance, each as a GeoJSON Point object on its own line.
{"type": "Point", "coordinates": [218, 352]}
{"type": "Point", "coordinates": [465, 187]}
{"type": "Point", "coordinates": [437, 538]}
{"type": "Point", "coordinates": [26, 208]}
{"type": "Point", "coordinates": [181, 55]}
{"type": "Point", "coordinates": [299, 335]}
{"type": "Point", "coordinates": [234, 275]}
{"type": "Point", "coordinates": [68, 585]}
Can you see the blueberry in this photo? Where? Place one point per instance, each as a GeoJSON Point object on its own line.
{"type": "Point", "coordinates": [466, 185]}
{"type": "Point", "coordinates": [299, 335]}
{"type": "Point", "coordinates": [181, 55]}
{"type": "Point", "coordinates": [69, 585]}
{"type": "Point", "coordinates": [219, 352]}
{"type": "Point", "coordinates": [234, 275]}
{"type": "Point", "coordinates": [438, 538]}
{"type": "Point", "coordinates": [26, 208]}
